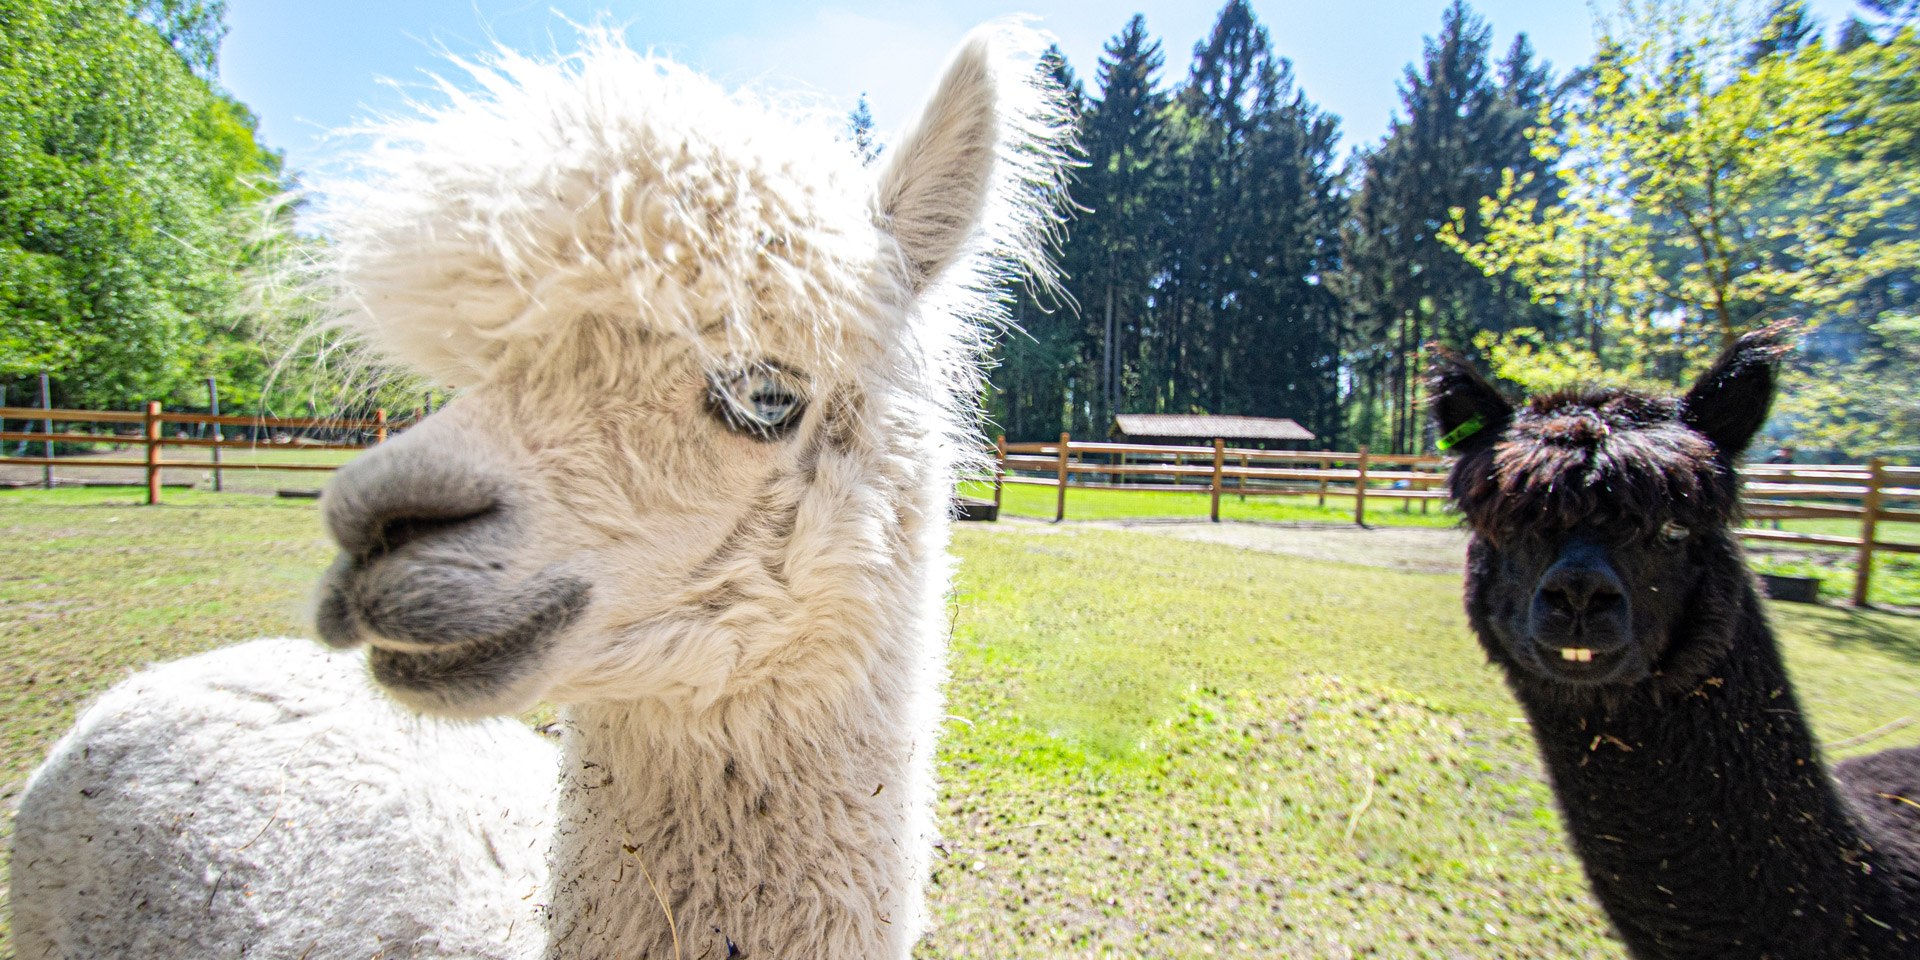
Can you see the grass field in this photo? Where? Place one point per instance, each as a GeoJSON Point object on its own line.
{"type": "Point", "coordinates": [1027, 500]}
{"type": "Point", "coordinates": [1159, 748]}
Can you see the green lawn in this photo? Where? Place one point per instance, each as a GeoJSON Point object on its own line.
{"type": "Point", "coordinates": [1159, 748]}
{"type": "Point", "coordinates": [266, 454]}
{"type": "Point", "coordinates": [1027, 500]}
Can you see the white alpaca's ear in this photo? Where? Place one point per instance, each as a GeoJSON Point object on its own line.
{"type": "Point", "coordinates": [936, 182]}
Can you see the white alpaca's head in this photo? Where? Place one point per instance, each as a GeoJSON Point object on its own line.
{"type": "Point", "coordinates": [713, 377]}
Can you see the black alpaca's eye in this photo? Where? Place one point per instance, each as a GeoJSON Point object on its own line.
{"type": "Point", "coordinates": [1673, 533]}
{"type": "Point", "coordinates": [761, 400]}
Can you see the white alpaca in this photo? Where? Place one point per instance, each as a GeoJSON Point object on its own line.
{"type": "Point", "coordinates": [713, 388]}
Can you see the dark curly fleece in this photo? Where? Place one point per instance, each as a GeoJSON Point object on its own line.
{"type": "Point", "coordinates": [1695, 796]}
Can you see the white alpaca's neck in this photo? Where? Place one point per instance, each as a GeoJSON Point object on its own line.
{"type": "Point", "coordinates": [780, 831]}
{"type": "Point", "coordinates": [792, 816]}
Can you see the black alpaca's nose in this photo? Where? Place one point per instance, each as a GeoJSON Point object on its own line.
{"type": "Point", "coordinates": [410, 490]}
{"type": "Point", "coordinates": [1581, 584]}
{"type": "Point", "coordinates": [1580, 591]}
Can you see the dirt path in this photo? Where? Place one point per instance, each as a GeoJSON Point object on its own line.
{"type": "Point", "coordinates": [1415, 549]}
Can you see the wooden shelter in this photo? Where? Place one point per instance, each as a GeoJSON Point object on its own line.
{"type": "Point", "coordinates": [1264, 433]}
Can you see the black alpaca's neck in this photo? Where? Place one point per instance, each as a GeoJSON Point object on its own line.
{"type": "Point", "coordinates": [1708, 824]}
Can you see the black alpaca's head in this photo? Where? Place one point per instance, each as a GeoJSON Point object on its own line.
{"type": "Point", "coordinates": [1602, 519]}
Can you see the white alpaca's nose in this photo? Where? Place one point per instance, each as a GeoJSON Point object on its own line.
{"type": "Point", "coordinates": [423, 485]}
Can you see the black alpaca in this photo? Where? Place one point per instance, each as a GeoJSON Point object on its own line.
{"type": "Point", "coordinates": [1604, 578]}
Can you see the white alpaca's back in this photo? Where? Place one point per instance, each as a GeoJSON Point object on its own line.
{"type": "Point", "coordinates": [323, 820]}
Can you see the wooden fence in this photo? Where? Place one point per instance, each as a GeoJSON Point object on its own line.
{"type": "Point", "coordinates": [1872, 494]}
{"type": "Point", "coordinates": [146, 430]}
{"type": "Point", "coordinates": [1219, 470]}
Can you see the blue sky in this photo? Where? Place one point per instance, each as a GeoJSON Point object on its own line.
{"type": "Point", "coordinates": [308, 66]}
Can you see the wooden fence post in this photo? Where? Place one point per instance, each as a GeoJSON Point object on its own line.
{"type": "Point", "coordinates": [999, 469]}
{"type": "Point", "coordinates": [1360, 490]}
{"type": "Point", "coordinates": [1869, 520]}
{"type": "Point", "coordinates": [153, 452]}
{"type": "Point", "coordinates": [380, 425]}
{"type": "Point", "coordinates": [1219, 461]}
{"type": "Point", "coordinates": [1060, 507]}
{"type": "Point", "coordinates": [1240, 482]}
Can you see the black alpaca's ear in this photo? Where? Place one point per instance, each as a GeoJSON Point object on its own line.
{"type": "Point", "coordinates": [1729, 403]}
{"type": "Point", "coordinates": [1465, 407]}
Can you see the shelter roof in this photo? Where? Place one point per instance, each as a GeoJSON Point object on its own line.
{"type": "Point", "coordinates": [1207, 426]}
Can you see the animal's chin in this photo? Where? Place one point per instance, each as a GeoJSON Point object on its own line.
{"type": "Point", "coordinates": [494, 673]}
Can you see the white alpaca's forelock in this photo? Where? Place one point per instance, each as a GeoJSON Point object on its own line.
{"type": "Point", "coordinates": [616, 188]}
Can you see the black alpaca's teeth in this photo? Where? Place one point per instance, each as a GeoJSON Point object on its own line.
{"type": "Point", "coordinates": [1576, 654]}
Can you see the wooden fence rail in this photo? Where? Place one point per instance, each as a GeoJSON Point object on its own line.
{"type": "Point", "coordinates": [1874, 494]}
{"type": "Point", "coordinates": [151, 436]}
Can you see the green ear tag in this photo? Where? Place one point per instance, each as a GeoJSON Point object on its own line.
{"type": "Point", "coordinates": [1461, 432]}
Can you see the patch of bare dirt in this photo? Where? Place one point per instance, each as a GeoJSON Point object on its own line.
{"type": "Point", "coordinates": [1414, 549]}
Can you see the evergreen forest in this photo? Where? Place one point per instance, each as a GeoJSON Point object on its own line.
{"type": "Point", "coordinates": [1715, 166]}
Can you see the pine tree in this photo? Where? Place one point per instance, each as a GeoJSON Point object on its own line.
{"type": "Point", "coordinates": [1040, 381]}
{"type": "Point", "coordinates": [1292, 246]}
{"type": "Point", "coordinates": [860, 131]}
{"type": "Point", "coordinates": [1121, 189]}
{"type": "Point", "coordinates": [1463, 127]}
{"type": "Point", "coordinates": [1226, 91]}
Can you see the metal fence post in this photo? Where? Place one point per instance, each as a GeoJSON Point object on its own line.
{"type": "Point", "coordinates": [1869, 521]}
{"type": "Point", "coordinates": [1060, 506]}
{"type": "Point", "coordinates": [153, 452]}
{"type": "Point", "coordinates": [46, 426]}
{"type": "Point", "coordinates": [213, 408]}
{"type": "Point", "coordinates": [1360, 490]}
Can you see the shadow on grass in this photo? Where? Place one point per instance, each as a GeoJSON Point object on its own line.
{"type": "Point", "coordinates": [1849, 629]}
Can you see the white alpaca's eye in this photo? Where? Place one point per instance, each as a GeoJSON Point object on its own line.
{"type": "Point", "coordinates": [761, 400]}
{"type": "Point", "coordinates": [1673, 533]}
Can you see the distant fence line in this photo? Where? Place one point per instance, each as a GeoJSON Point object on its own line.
{"type": "Point", "coordinates": [146, 429]}
{"type": "Point", "coordinates": [1869, 493]}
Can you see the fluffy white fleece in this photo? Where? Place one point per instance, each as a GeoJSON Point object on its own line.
{"type": "Point", "coordinates": [200, 804]}
{"type": "Point", "coordinates": [751, 656]}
